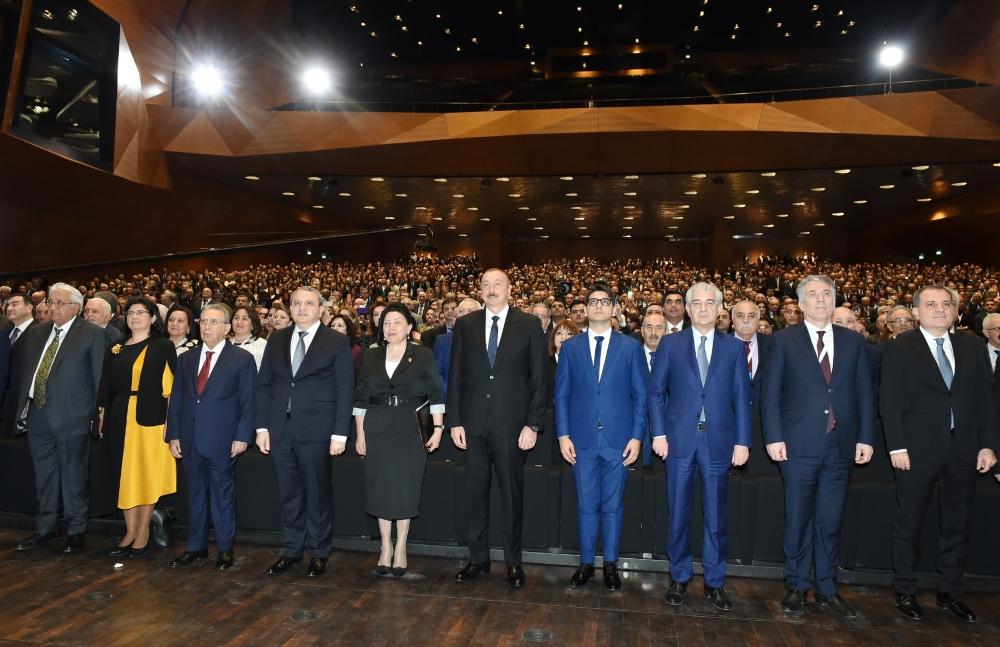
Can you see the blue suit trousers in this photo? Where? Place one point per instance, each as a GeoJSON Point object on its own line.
{"type": "Point", "coordinates": [600, 478]}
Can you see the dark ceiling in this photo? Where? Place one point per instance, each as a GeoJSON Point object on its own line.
{"type": "Point", "coordinates": [686, 206]}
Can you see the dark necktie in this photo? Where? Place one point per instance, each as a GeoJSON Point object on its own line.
{"type": "Point", "coordinates": [824, 365]}
{"type": "Point", "coordinates": [597, 358]}
{"type": "Point", "coordinates": [491, 347]}
{"type": "Point", "coordinates": [206, 368]}
{"type": "Point", "coordinates": [749, 359]}
{"type": "Point", "coordinates": [996, 363]}
{"type": "Point", "coordinates": [14, 334]}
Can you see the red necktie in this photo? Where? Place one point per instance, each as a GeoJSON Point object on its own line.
{"type": "Point", "coordinates": [824, 365]}
{"type": "Point", "coordinates": [203, 373]}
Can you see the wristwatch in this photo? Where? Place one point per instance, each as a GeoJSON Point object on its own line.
{"type": "Point", "coordinates": [534, 428]}
{"type": "Point", "coordinates": [436, 427]}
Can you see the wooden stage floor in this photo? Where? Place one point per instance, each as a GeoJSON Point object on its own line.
{"type": "Point", "coordinates": [49, 598]}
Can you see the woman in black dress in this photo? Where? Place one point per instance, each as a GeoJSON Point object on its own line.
{"type": "Point", "coordinates": [396, 378]}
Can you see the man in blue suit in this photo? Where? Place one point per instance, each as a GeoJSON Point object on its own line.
{"type": "Point", "coordinates": [209, 424]}
{"type": "Point", "coordinates": [818, 414]}
{"type": "Point", "coordinates": [600, 397]}
{"type": "Point", "coordinates": [442, 345]}
{"type": "Point", "coordinates": [699, 408]}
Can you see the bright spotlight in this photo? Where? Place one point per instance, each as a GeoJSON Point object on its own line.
{"type": "Point", "coordinates": [207, 80]}
{"type": "Point", "coordinates": [316, 80]}
{"type": "Point", "coordinates": [890, 56]}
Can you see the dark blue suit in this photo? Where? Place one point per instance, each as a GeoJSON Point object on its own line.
{"type": "Point", "coordinates": [676, 399]}
{"type": "Point", "coordinates": [206, 427]}
{"type": "Point", "coordinates": [795, 401]}
{"type": "Point", "coordinates": [4, 363]}
{"type": "Point", "coordinates": [600, 417]}
{"type": "Point", "coordinates": [442, 355]}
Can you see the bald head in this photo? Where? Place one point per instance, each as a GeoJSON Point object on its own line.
{"type": "Point", "coordinates": [845, 317]}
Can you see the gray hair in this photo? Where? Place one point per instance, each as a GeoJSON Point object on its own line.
{"type": "Point", "coordinates": [800, 289]}
{"type": "Point", "coordinates": [702, 285]}
{"type": "Point", "coordinates": [993, 316]}
{"type": "Point", "coordinates": [952, 294]}
{"type": "Point", "coordinates": [542, 305]}
{"type": "Point", "coordinates": [104, 305]}
{"type": "Point", "coordinates": [75, 297]}
{"type": "Point", "coordinates": [470, 300]}
{"type": "Point", "coordinates": [909, 313]}
{"type": "Point", "coordinates": [308, 288]}
{"type": "Point", "coordinates": [218, 307]}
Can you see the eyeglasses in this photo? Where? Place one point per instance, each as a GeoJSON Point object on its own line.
{"type": "Point", "coordinates": [137, 313]}
{"type": "Point", "coordinates": [57, 304]}
{"type": "Point", "coordinates": [211, 322]}
{"type": "Point", "coordinates": [593, 303]}
{"type": "Point", "coordinates": [900, 320]}
{"type": "Point", "coordinates": [991, 329]}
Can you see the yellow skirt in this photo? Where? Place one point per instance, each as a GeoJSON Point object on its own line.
{"type": "Point", "coordinates": [149, 470]}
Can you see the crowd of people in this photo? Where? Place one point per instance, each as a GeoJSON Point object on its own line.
{"type": "Point", "coordinates": [621, 361]}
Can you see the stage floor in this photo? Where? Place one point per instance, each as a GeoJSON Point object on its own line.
{"type": "Point", "coordinates": [82, 599]}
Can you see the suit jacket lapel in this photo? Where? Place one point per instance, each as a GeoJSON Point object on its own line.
{"type": "Point", "coordinates": [320, 340]}
{"type": "Point", "coordinates": [802, 334]}
{"type": "Point", "coordinates": [509, 328]}
{"type": "Point", "coordinates": [70, 334]}
{"type": "Point", "coordinates": [717, 348]}
{"type": "Point", "coordinates": [478, 319]}
{"type": "Point", "coordinates": [929, 360]}
{"type": "Point", "coordinates": [610, 358]}
{"type": "Point", "coordinates": [404, 362]}
{"type": "Point", "coordinates": [691, 353]}
{"type": "Point", "coordinates": [225, 356]}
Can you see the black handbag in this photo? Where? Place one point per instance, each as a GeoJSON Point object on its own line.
{"type": "Point", "coordinates": [161, 528]}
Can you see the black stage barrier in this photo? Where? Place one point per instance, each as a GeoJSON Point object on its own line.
{"type": "Point", "coordinates": [755, 512]}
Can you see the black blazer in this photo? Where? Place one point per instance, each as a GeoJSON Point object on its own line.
{"type": "Point", "coordinates": [416, 377]}
{"type": "Point", "coordinates": [151, 406]}
{"type": "Point", "coordinates": [428, 336]}
{"type": "Point", "coordinates": [513, 393]}
{"type": "Point", "coordinates": [763, 345]}
{"type": "Point", "coordinates": [916, 405]}
{"type": "Point", "coordinates": [75, 377]}
{"type": "Point", "coordinates": [314, 404]}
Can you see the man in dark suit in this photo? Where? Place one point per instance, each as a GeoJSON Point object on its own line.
{"type": "Point", "coordinates": [59, 372]}
{"type": "Point", "coordinates": [940, 423]}
{"type": "Point", "coordinates": [497, 393]}
{"type": "Point", "coordinates": [818, 412]}
{"type": "Point", "coordinates": [699, 407]}
{"type": "Point", "coordinates": [20, 314]}
{"type": "Point", "coordinates": [98, 312]}
{"type": "Point", "coordinates": [652, 331]}
{"type": "Point", "coordinates": [305, 389]}
{"type": "Point", "coordinates": [991, 330]}
{"type": "Point", "coordinates": [442, 346]}
{"type": "Point", "coordinates": [206, 299]}
{"type": "Point", "coordinates": [428, 336]}
{"type": "Point", "coordinates": [209, 424]}
{"type": "Point", "coordinates": [600, 407]}
{"type": "Point", "coordinates": [746, 320]}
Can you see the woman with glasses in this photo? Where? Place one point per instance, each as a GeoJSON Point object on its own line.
{"type": "Point", "coordinates": [246, 332]}
{"type": "Point", "coordinates": [137, 381]}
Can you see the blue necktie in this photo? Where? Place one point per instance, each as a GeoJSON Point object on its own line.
{"type": "Point", "coordinates": [491, 348]}
{"type": "Point", "coordinates": [702, 369]}
{"type": "Point", "coordinates": [597, 358]}
{"type": "Point", "coordinates": [946, 371]}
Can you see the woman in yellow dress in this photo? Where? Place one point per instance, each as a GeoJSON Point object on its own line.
{"type": "Point", "coordinates": [139, 374]}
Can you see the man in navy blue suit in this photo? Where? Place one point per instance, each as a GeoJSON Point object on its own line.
{"type": "Point", "coordinates": [209, 424]}
{"type": "Point", "coordinates": [600, 403]}
{"type": "Point", "coordinates": [818, 414]}
{"type": "Point", "coordinates": [699, 408]}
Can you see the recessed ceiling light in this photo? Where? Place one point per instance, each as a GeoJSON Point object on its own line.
{"type": "Point", "coordinates": [566, 178]}
{"type": "Point", "coordinates": [451, 226]}
{"type": "Point", "coordinates": [629, 206]}
{"type": "Point", "coordinates": [400, 195]}
{"type": "Point", "coordinates": [581, 236]}
{"type": "Point", "coordinates": [683, 206]}
{"type": "Point", "coordinates": [630, 193]}
{"type": "Point", "coordinates": [539, 228]}
{"type": "Point", "coordinates": [678, 217]}
{"type": "Point", "coordinates": [729, 217]}
{"type": "Point", "coordinates": [628, 228]}
{"type": "Point", "coordinates": [887, 186]}
{"type": "Point", "coordinates": [252, 177]}
{"type": "Point", "coordinates": [768, 174]}
{"type": "Point", "coordinates": [390, 217]}
{"type": "Point", "coordinates": [368, 206]}
{"type": "Point", "coordinates": [924, 199]}
{"type": "Point", "coordinates": [758, 233]}
{"type": "Point", "coordinates": [377, 179]}
{"type": "Point", "coordinates": [959, 183]}
{"type": "Point", "coordinates": [421, 208]}
{"type": "Point", "coordinates": [344, 194]}
{"type": "Point", "coordinates": [818, 189]}
{"type": "Point", "coordinates": [458, 195]}
{"type": "Point", "coordinates": [513, 195]}
{"type": "Point", "coordinates": [922, 167]}
{"type": "Point", "coordinates": [473, 208]}
{"type": "Point", "coordinates": [804, 233]}
{"type": "Point", "coordinates": [690, 193]}
{"type": "Point", "coordinates": [769, 225]}
{"type": "Point", "coordinates": [843, 171]}
{"type": "Point", "coordinates": [484, 220]}
{"type": "Point", "coordinates": [580, 218]}
{"type": "Point", "coordinates": [997, 164]}
{"type": "Point", "coordinates": [636, 177]}
{"type": "Point", "coordinates": [546, 236]}
{"type": "Point", "coordinates": [673, 227]}
{"type": "Point", "coordinates": [572, 195]}
{"type": "Point", "coordinates": [740, 205]}
{"type": "Point", "coordinates": [440, 179]}
{"type": "Point", "coordinates": [523, 208]}
{"type": "Point", "coordinates": [860, 202]}
{"type": "Point", "coordinates": [463, 235]}
{"type": "Point", "coordinates": [582, 227]}
{"type": "Point", "coordinates": [576, 207]}
{"type": "Point", "coordinates": [627, 236]}
{"type": "Point", "coordinates": [837, 213]}
{"type": "Point", "coordinates": [438, 218]}
{"type": "Point", "coordinates": [503, 179]}
{"type": "Point", "coordinates": [287, 193]}
{"type": "Point", "coordinates": [699, 176]}
{"type": "Point", "coordinates": [782, 215]}
{"type": "Point", "coordinates": [755, 191]}
{"type": "Point", "coordinates": [798, 204]}
{"type": "Point", "coordinates": [314, 178]}
{"type": "Point", "coordinates": [820, 224]}
{"type": "Point", "coordinates": [317, 206]}
{"type": "Point", "coordinates": [629, 218]}
{"type": "Point", "coordinates": [531, 219]}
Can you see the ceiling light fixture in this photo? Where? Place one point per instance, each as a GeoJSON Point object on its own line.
{"type": "Point", "coordinates": [843, 171]}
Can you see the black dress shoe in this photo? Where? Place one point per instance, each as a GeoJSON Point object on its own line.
{"type": "Point", "coordinates": [582, 575]}
{"type": "Point", "coordinates": [224, 561]}
{"type": "Point", "coordinates": [612, 581]}
{"type": "Point", "coordinates": [74, 543]}
{"type": "Point", "coordinates": [472, 570]}
{"type": "Point", "coordinates": [515, 576]}
{"type": "Point", "coordinates": [954, 604]}
{"type": "Point", "coordinates": [908, 607]}
{"type": "Point", "coordinates": [676, 593]}
{"type": "Point", "coordinates": [317, 566]}
{"type": "Point", "coordinates": [381, 571]}
{"type": "Point", "coordinates": [835, 604]}
{"type": "Point", "coordinates": [398, 571]}
{"type": "Point", "coordinates": [136, 553]}
{"type": "Point", "coordinates": [189, 557]}
{"type": "Point", "coordinates": [794, 601]}
{"type": "Point", "coordinates": [36, 540]}
{"type": "Point", "coordinates": [718, 598]}
{"type": "Point", "coordinates": [282, 565]}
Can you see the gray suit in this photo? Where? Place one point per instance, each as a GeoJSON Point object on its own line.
{"type": "Point", "coordinates": [59, 431]}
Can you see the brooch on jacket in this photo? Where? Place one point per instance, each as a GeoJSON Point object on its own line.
{"type": "Point", "coordinates": [117, 348]}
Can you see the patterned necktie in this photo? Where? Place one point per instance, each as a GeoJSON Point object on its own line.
{"type": "Point", "coordinates": [673, 329]}
{"type": "Point", "coordinates": [702, 370]}
{"type": "Point", "coordinates": [824, 365]}
{"type": "Point", "coordinates": [597, 358]}
{"type": "Point", "coordinates": [14, 334]}
{"type": "Point", "coordinates": [42, 377]}
{"type": "Point", "coordinates": [749, 359]}
{"type": "Point", "coordinates": [203, 373]}
{"type": "Point", "coordinates": [300, 352]}
{"type": "Point", "coordinates": [491, 347]}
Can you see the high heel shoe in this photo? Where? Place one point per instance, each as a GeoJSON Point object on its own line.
{"type": "Point", "coordinates": [398, 572]}
{"type": "Point", "coordinates": [138, 552]}
{"type": "Point", "coordinates": [381, 571]}
{"type": "Point", "coordinates": [121, 551]}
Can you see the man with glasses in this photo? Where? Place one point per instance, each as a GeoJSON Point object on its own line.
{"type": "Point", "coordinates": [59, 372]}
{"type": "Point", "coordinates": [940, 425]}
{"type": "Point", "coordinates": [600, 407]}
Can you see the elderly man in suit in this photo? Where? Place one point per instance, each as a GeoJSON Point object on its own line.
{"type": "Point", "coordinates": [305, 392]}
{"type": "Point", "coordinates": [209, 424]}
{"type": "Point", "coordinates": [600, 407]}
{"type": "Point", "coordinates": [442, 346]}
{"type": "Point", "coordinates": [497, 392]}
{"type": "Point", "coordinates": [940, 425]}
{"type": "Point", "coordinates": [652, 331]}
{"type": "Point", "coordinates": [59, 365]}
{"type": "Point", "coordinates": [699, 408]}
{"type": "Point", "coordinates": [818, 414]}
{"type": "Point", "coordinates": [98, 312]}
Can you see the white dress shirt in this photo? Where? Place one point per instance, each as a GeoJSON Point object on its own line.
{"type": "Point", "coordinates": [677, 327]}
{"type": "Point", "coordinates": [949, 351]}
{"type": "Point", "coordinates": [991, 352]}
{"type": "Point", "coordinates": [592, 338]}
{"type": "Point", "coordinates": [22, 327]}
{"type": "Point", "coordinates": [307, 340]}
{"type": "Point", "coordinates": [500, 323]}
{"type": "Point", "coordinates": [215, 356]}
{"type": "Point", "coordinates": [649, 356]}
{"type": "Point", "coordinates": [709, 343]}
{"type": "Point", "coordinates": [63, 329]}
{"type": "Point", "coordinates": [827, 340]}
{"type": "Point", "coordinates": [754, 353]}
